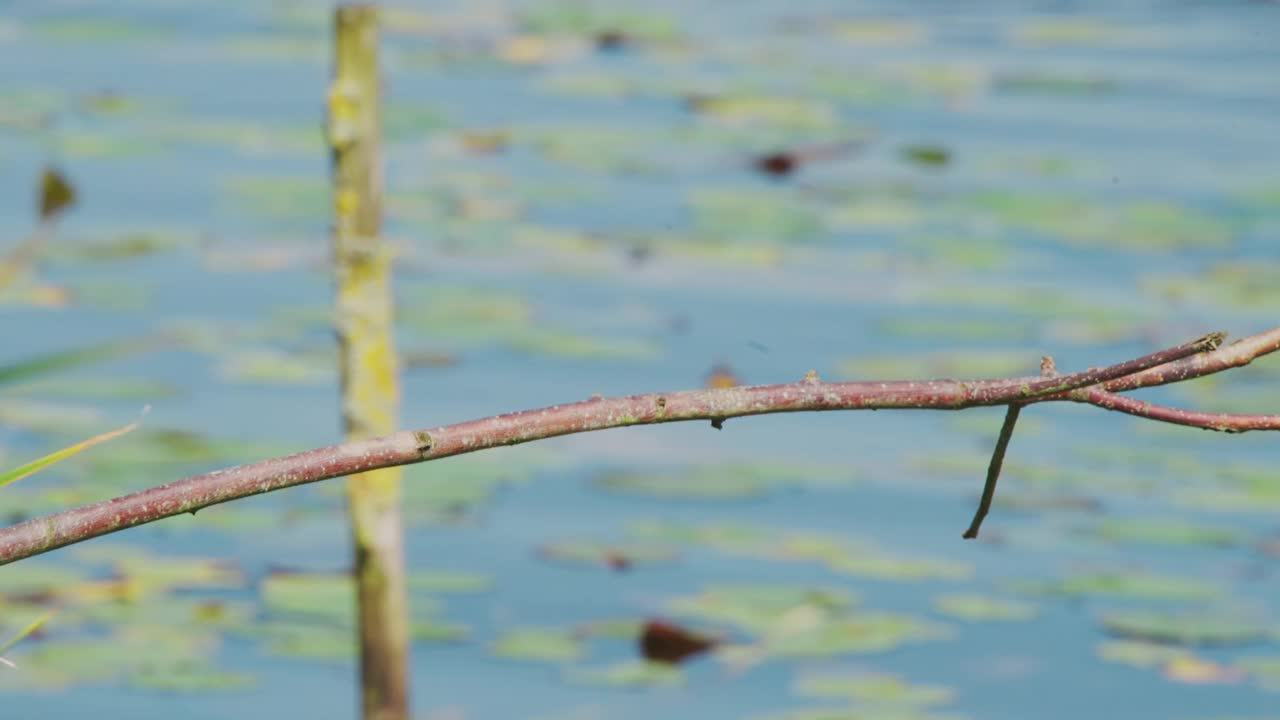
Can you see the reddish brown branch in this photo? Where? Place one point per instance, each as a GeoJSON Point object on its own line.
{"type": "Point", "coordinates": [46, 533]}
{"type": "Point", "coordinates": [1221, 422]}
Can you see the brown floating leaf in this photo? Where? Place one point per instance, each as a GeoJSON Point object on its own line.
{"type": "Point", "coordinates": [663, 642]}
{"type": "Point", "coordinates": [784, 162]}
{"type": "Point", "coordinates": [612, 40]}
{"type": "Point", "coordinates": [56, 194]}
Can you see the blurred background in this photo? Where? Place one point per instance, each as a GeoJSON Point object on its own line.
{"type": "Point", "coordinates": [621, 197]}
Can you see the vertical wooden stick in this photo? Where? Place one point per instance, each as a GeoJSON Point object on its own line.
{"type": "Point", "coordinates": [370, 385]}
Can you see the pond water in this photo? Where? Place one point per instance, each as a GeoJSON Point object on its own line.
{"type": "Point", "coordinates": [574, 194]}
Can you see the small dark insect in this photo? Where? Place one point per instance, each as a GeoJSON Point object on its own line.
{"type": "Point", "coordinates": [784, 162]}
{"type": "Point", "coordinates": [616, 560]}
{"type": "Point", "coordinates": [607, 40]}
{"type": "Point", "coordinates": [663, 642]}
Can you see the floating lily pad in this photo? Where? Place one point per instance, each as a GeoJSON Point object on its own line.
{"type": "Point", "coordinates": [190, 676]}
{"type": "Point", "coordinates": [539, 644]}
{"type": "Point", "coordinates": [281, 197]}
{"type": "Point", "coordinates": [883, 691]}
{"type": "Point", "coordinates": [559, 343]}
{"type": "Point", "coordinates": [632, 674]}
{"type": "Point", "coordinates": [306, 640]}
{"type": "Point", "coordinates": [759, 609]}
{"type": "Point", "coordinates": [158, 573]}
{"type": "Point", "coordinates": [278, 367]}
{"type": "Point", "coordinates": [62, 663]}
{"type": "Point", "coordinates": [727, 537]}
{"type": "Point", "coordinates": [592, 19]}
{"type": "Point", "coordinates": [1139, 653]}
{"type": "Point", "coordinates": [1165, 532]}
{"type": "Point", "coordinates": [96, 389]}
{"type": "Point", "coordinates": [1262, 668]}
{"type": "Point", "coordinates": [1184, 628]}
{"type": "Point", "coordinates": [443, 581]}
{"type": "Point", "coordinates": [928, 156]}
{"type": "Point", "coordinates": [436, 631]}
{"type": "Point", "coordinates": [983, 607]}
{"type": "Point", "coordinates": [754, 216]}
{"type": "Point", "coordinates": [953, 364]}
{"type": "Point", "coordinates": [1130, 584]}
{"type": "Point", "coordinates": [617, 556]}
{"type": "Point", "coordinates": [863, 633]}
{"type": "Point", "coordinates": [790, 112]}
{"type": "Point", "coordinates": [856, 713]}
{"type": "Point", "coordinates": [718, 482]}
{"type": "Point", "coordinates": [326, 597]}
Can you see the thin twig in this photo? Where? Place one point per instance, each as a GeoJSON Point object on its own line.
{"type": "Point", "coordinates": [43, 534]}
{"type": "Point", "coordinates": [1220, 422]}
{"type": "Point", "coordinates": [993, 471]}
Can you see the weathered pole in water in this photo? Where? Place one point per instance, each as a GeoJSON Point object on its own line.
{"type": "Point", "coordinates": [369, 372]}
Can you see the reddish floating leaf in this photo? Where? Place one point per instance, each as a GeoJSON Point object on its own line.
{"type": "Point", "coordinates": [663, 642]}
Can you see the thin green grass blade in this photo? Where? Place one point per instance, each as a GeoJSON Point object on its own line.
{"type": "Point", "coordinates": [10, 476]}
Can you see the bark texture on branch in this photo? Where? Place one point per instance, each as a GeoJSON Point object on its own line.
{"type": "Point", "coordinates": [43, 534]}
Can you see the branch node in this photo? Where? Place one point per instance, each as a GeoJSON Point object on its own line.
{"type": "Point", "coordinates": [811, 378]}
{"type": "Point", "coordinates": [424, 441]}
{"type": "Point", "coordinates": [1047, 367]}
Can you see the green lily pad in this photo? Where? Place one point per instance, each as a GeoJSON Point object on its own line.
{"type": "Point", "coordinates": [320, 596]}
{"type": "Point", "coordinates": [157, 573]}
{"type": "Point", "coordinates": [560, 343]}
{"type": "Point", "coordinates": [629, 674]}
{"type": "Point", "coordinates": [953, 364]}
{"type": "Point", "coordinates": [249, 138]}
{"type": "Point", "coordinates": [165, 610]}
{"type": "Point", "coordinates": [718, 482]}
{"type": "Point", "coordinates": [750, 216]}
{"type": "Point", "coordinates": [38, 577]}
{"type": "Point", "coordinates": [863, 633]}
{"type": "Point", "coordinates": [1129, 584]}
{"type": "Point", "coordinates": [1165, 532]}
{"type": "Point", "coordinates": [928, 156]}
{"type": "Point", "coordinates": [886, 691]}
{"type": "Point", "coordinates": [81, 30]}
{"type": "Point", "coordinates": [106, 145]}
{"type": "Point", "coordinates": [281, 197]}
{"type": "Point", "coordinates": [759, 609]}
{"type": "Point", "coordinates": [124, 246]}
{"type": "Point", "coordinates": [539, 644]}
{"type": "Point", "coordinates": [437, 631]}
{"type": "Point", "coordinates": [448, 490]}
{"type": "Point", "coordinates": [776, 111]}
{"type": "Point", "coordinates": [969, 606]}
{"type": "Point", "coordinates": [1050, 82]}
{"type": "Point", "coordinates": [590, 20]}
{"type": "Point", "coordinates": [63, 663]}
{"type": "Point", "coordinates": [1184, 628]}
{"type": "Point", "coordinates": [619, 556]}
{"type": "Point", "coordinates": [95, 389]}
{"type": "Point", "coordinates": [1140, 653]}
{"type": "Point", "coordinates": [307, 640]}
{"type": "Point", "coordinates": [1262, 668]}
{"type": "Point", "coordinates": [189, 676]}
{"type": "Point", "coordinates": [277, 367]}
{"type": "Point", "coordinates": [856, 713]}
{"type": "Point", "coordinates": [447, 581]}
